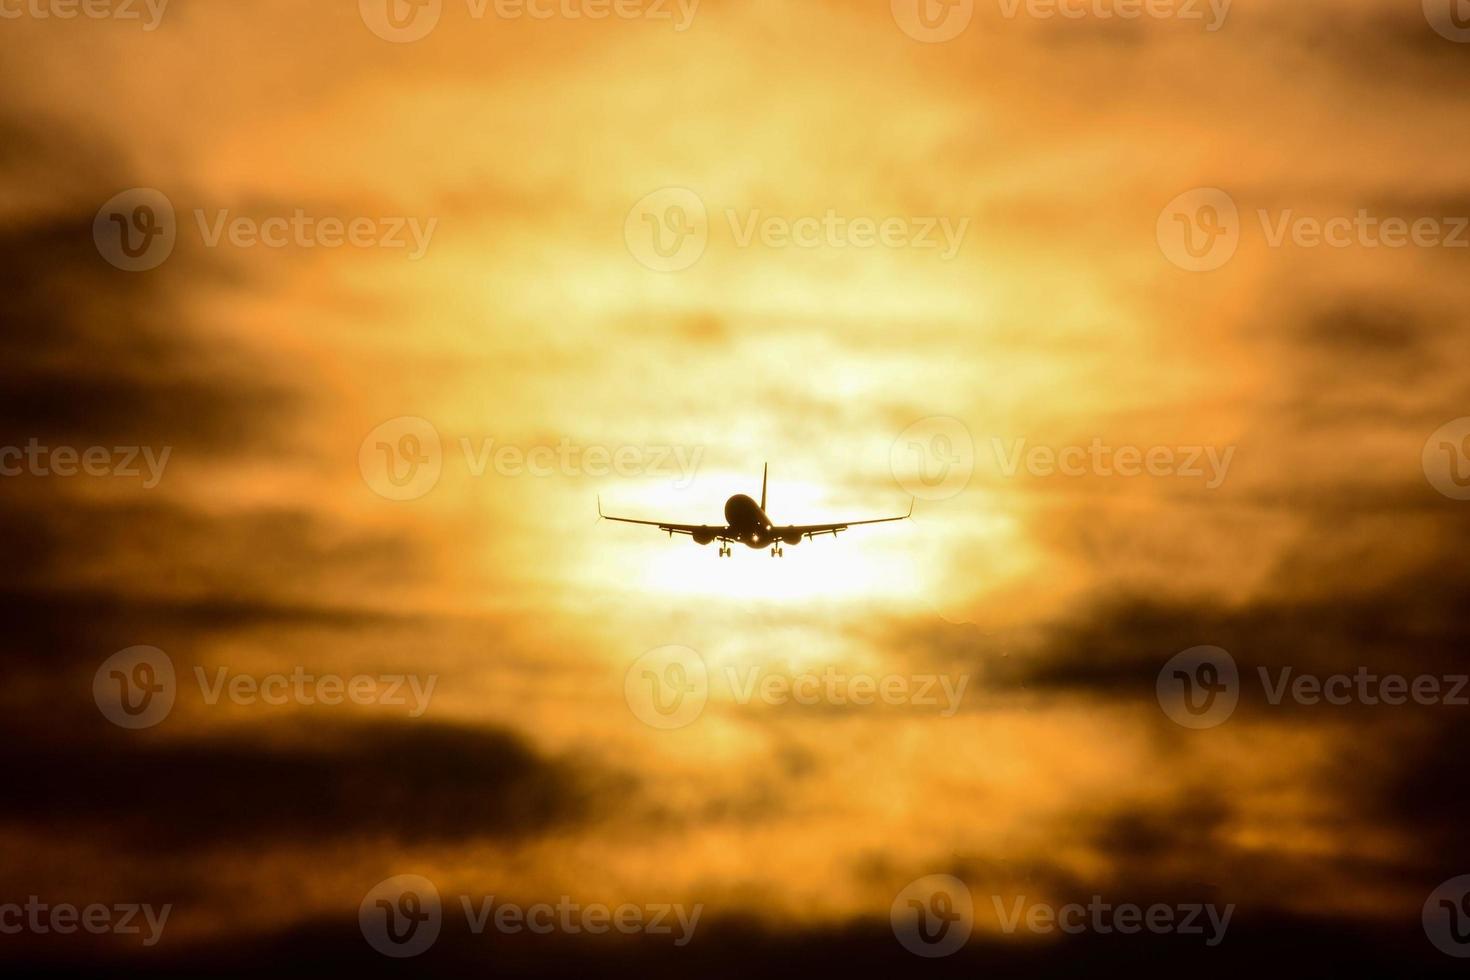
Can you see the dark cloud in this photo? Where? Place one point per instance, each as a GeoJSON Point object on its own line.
{"type": "Point", "coordinates": [98, 356]}
{"type": "Point", "coordinates": [726, 946]}
{"type": "Point", "coordinates": [153, 546]}
{"type": "Point", "coordinates": [1361, 565]}
{"type": "Point", "coordinates": [1117, 642]}
{"type": "Point", "coordinates": [406, 782]}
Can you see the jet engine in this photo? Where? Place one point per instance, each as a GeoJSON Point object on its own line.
{"type": "Point", "coordinates": [703, 537]}
{"type": "Point", "coordinates": [792, 538]}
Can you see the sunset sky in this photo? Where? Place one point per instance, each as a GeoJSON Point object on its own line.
{"type": "Point", "coordinates": [533, 158]}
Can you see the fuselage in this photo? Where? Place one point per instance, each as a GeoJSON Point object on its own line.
{"type": "Point", "coordinates": [747, 522]}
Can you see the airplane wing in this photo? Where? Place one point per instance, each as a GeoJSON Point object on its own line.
{"type": "Point", "coordinates": [810, 531]}
{"type": "Point", "coordinates": [720, 532]}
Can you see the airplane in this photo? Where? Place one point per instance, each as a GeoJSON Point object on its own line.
{"type": "Point", "coordinates": [746, 523]}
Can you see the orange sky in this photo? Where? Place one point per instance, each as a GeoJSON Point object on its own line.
{"type": "Point", "coordinates": [521, 149]}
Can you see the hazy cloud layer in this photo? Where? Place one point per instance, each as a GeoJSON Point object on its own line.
{"type": "Point", "coordinates": [529, 322]}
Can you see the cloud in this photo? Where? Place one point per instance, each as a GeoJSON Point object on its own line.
{"type": "Point", "coordinates": [530, 322]}
{"type": "Point", "coordinates": [399, 782]}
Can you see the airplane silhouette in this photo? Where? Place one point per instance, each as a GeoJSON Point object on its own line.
{"type": "Point", "coordinates": [746, 522]}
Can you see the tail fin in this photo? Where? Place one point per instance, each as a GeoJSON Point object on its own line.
{"type": "Point", "coordinates": [764, 473]}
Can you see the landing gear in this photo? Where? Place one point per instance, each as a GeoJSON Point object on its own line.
{"type": "Point", "coordinates": [725, 551]}
{"type": "Point", "coordinates": [778, 552]}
